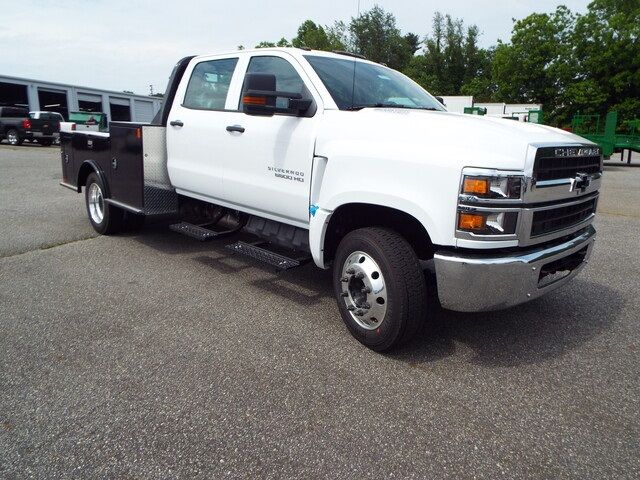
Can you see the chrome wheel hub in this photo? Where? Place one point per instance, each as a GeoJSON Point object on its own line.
{"type": "Point", "coordinates": [96, 203]}
{"type": "Point", "coordinates": [12, 138]}
{"type": "Point", "coordinates": [364, 290]}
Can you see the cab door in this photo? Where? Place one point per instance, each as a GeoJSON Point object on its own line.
{"type": "Point", "coordinates": [268, 160]}
{"type": "Point", "coordinates": [196, 136]}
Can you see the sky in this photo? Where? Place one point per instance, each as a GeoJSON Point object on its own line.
{"type": "Point", "coordinates": [131, 44]}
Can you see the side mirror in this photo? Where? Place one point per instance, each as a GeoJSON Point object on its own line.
{"type": "Point", "coordinates": [441, 100]}
{"type": "Point", "coordinates": [259, 97]}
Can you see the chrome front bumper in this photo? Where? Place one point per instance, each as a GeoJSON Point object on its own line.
{"type": "Point", "coordinates": [474, 282]}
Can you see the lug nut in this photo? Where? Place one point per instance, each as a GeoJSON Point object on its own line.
{"type": "Point", "coordinates": [351, 270]}
{"type": "Point", "coordinates": [359, 275]}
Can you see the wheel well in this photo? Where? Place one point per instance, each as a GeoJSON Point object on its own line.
{"type": "Point", "coordinates": [86, 169]}
{"type": "Point", "coordinates": [358, 215]}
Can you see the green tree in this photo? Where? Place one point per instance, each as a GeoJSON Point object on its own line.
{"type": "Point", "coordinates": [451, 62]}
{"type": "Point", "coordinates": [433, 61]}
{"type": "Point", "coordinates": [283, 42]}
{"type": "Point", "coordinates": [607, 59]}
{"type": "Point", "coordinates": [537, 66]}
{"type": "Point", "coordinates": [338, 35]}
{"type": "Point", "coordinates": [375, 35]}
{"type": "Point", "coordinates": [478, 78]}
{"type": "Point", "coordinates": [265, 44]}
{"type": "Point", "coordinates": [413, 42]}
{"type": "Point", "coordinates": [454, 59]}
{"type": "Point", "coordinates": [316, 37]}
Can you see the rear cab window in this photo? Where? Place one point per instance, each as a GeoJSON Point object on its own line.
{"type": "Point", "coordinates": [209, 83]}
{"type": "Point", "coordinates": [13, 112]}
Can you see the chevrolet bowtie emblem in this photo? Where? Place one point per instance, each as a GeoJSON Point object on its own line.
{"type": "Point", "coordinates": [580, 182]}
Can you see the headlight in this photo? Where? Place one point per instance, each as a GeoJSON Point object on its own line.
{"type": "Point", "coordinates": [496, 187]}
{"type": "Point", "coordinates": [489, 203]}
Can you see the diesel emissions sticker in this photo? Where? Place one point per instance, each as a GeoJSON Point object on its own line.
{"type": "Point", "coordinates": [287, 174]}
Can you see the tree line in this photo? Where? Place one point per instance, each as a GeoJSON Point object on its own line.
{"type": "Point", "coordinates": [569, 62]}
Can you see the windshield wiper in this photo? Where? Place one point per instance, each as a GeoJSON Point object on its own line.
{"type": "Point", "coordinates": [387, 105]}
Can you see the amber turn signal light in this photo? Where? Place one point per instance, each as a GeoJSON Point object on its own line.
{"type": "Point", "coordinates": [475, 186]}
{"type": "Point", "coordinates": [471, 221]}
{"type": "Point", "coordinates": [254, 100]}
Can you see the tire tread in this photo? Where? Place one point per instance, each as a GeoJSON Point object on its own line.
{"type": "Point", "coordinates": [405, 270]}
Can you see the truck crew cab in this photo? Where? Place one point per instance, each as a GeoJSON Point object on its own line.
{"type": "Point", "coordinates": [355, 165]}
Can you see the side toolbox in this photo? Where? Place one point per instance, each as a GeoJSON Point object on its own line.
{"type": "Point", "coordinates": [138, 176]}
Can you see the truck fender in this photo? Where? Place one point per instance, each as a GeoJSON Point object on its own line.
{"type": "Point", "coordinates": [317, 230]}
{"type": "Point", "coordinates": [388, 214]}
{"type": "Point", "coordinates": [88, 167]}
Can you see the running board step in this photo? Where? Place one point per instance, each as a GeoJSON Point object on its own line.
{"type": "Point", "coordinates": [198, 232]}
{"type": "Point", "coordinates": [266, 256]}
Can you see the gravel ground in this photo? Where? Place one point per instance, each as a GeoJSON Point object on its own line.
{"type": "Point", "coordinates": [150, 355]}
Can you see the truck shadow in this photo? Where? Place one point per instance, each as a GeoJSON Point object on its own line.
{"type": "Point", "coordinates": [527, 334]}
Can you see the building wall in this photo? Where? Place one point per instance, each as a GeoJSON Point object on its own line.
{"type": "Point", "coordinates": [457, 104]}
{"type": "Point", "coordinates": [140, 106]}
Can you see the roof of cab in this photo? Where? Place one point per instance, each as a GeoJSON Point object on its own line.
{"type": "Point", "coordinates": [295, 51]}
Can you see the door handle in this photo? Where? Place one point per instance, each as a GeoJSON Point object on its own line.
{"type": "Point", "coordinates": [235, 128]}
{"type": "Point", "coordinates": [176, 123]}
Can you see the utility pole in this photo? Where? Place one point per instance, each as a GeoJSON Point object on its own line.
{"type": "Point", "coordinates": [150, 89]}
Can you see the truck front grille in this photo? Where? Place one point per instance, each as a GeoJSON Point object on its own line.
{"type": "Point", "coordinates": [554, 219]}
{"type": "Point", "coordinates": [550, 167]}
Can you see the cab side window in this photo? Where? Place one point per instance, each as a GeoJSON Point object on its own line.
{"type": "Point", "coordinates": [209, 84]}
{"type": "Point", "coordinates": [287, 79]}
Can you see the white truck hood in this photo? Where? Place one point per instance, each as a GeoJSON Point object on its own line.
{"type": "Point", "coordinates": [462, 139]}
{"type": "Point", "coordinates": [412, 160]}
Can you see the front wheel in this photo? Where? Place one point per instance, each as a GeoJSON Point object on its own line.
{"type": "Point", "coordinates": [380, 287]}
{"type": "Point", "coordinates": [105, 218]}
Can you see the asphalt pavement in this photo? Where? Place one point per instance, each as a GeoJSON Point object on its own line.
{"type": "Point", "coordinates": [150, 355]}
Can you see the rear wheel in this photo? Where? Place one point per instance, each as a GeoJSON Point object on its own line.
{"type": "Point", "coordinates": [105, 218]}
{"type": "Point", "coordinates": [13, 137]}
{"type": "Point", "coordinates": [380, 287]}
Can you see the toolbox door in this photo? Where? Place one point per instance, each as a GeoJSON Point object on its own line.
{"type": "Point", "coordinates": [125, 165]}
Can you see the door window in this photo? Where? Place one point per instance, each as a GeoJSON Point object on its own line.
{"type": "Point", "coordinates": [287, 79]}
{"type": "Point", "coordinates": [209, 84]}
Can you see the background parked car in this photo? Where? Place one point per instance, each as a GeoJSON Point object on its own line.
{"type": "Point", "coordinates": [12, 124]}
{"type": "Point", "coordinates": [43, 127]}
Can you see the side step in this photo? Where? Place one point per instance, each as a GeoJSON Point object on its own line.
{"type": "Point", "coordinates": [269, 257]}
{"type": "Point", "coordinates": [197, 231]}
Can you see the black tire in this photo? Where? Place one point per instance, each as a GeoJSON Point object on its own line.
{"type": "Point", "coordinates": [13, 137]}
{"type": "Point", "coordinates": [404, 283]}
{"type": "Point", "coordinates": [111, 221]}
{"type": "Point", "coordinates": [45, 143]}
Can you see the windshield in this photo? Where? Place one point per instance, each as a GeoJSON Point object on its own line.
{"type": "Point", "coordinates": [354, 85]}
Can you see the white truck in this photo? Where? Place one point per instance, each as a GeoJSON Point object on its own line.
{"type": "Point", "coordinates": [330, 157]}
